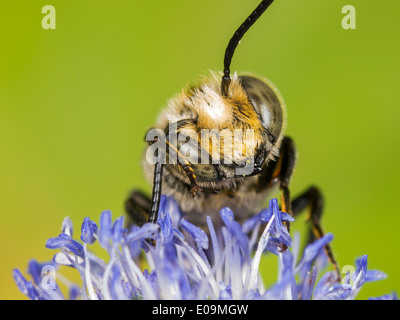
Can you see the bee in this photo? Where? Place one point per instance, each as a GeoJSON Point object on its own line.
{"type": "Point", "coordinates": [238, 171]}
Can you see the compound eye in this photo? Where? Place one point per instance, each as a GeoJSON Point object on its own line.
{"type": "Point", "coordinates": [267, 105]}
{"type": "Point", "coordinates": [265, 115]}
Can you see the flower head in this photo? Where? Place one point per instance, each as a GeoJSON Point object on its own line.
{"type": "Point", "coordinates": [186, 263]}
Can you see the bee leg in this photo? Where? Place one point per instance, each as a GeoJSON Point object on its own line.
{"type": "Point", "coordinates": [281, 170]}
{"type": "Point", "coordinates": [187, 167]}
{"type": "Point", "coordinates": [192, 178]}
{"type": "Point", "coordinates": [137, 207]}
{"type": "Point", "coordinates": [286, 164]}
{"type": "Point", "coordinates": [313, 199]}
{"type": "Point", "coordinates": [140, 208]}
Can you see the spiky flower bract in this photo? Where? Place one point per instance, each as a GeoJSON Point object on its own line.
{"type": "Point", "coordinates": [186, 263]}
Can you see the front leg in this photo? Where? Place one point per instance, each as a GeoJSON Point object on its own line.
{"type": "Point", "coordinates": [288, 162]}
{"type": "Point", "coordinates": [282, 170]}
{"type": "Point", "coordinates": [312, 198]}
{"type": "Point", "coordinates": [137, 207]}
{"type": "Point", "coordinates": [187, 168]}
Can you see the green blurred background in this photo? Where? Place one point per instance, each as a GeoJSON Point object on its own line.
{"type": "Point", "coordinates": [75, 104]}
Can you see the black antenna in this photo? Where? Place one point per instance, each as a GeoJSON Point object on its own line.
{"type": "Point", "coordinates": [230, 50]}
{"type": "Point", "coordinates": [156, 196]}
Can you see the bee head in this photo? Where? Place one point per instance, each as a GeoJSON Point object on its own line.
{"type": "Point", "coordinates": [223, 138]}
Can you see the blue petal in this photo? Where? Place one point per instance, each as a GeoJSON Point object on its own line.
{"type": "Point", "coordinates": [267, 213]}
{"type": "Point", "coordinates": [308, 284]}
{"type": "Point", "coordinates": [277, 228]}
{"type": "Point", "coordinates": [227, 216]}
{"type": "Point", "coordinates": [162, 206]}
{"type": "Point", "coordinates": [172, 208]}
{"type": "Point", "coordinates": [252, 295]}
{"type": "Point", "coordinates": [127, 289]}
{"type": "Point", "coordinates": [359, 280]}
{"type": "Point", "coordinates": [74, 292]}
{"type": "Point", "coordinates": [174, 271]}
{"type": "Point", "coordinates": [225, 291]}
{"type": "Point", "coordinates": [235, 229]}
{"type": "Point", "coordinates": [359, 275]}
{"type": "Point", "coordinates": [134, 249]}
{"type": "Point", "coordinates": [287, 276]}
{"type": "Point", "coordinates": [170, 253]}
{"type": "Point", "coordinates": [198, 235]}
{"type": "Point", "coordinates": [35, 270]}
{"type": "Point", "coordinates": [178, 237]}
{"type": "Point", "coordinates": [134, 246]}
{"type": "Point", "coordinates": [362, 263]}
{"type": "Point", "coordinates": [321, 260]}
{"type": "Point", "coordinates": [67, 227]}
{"type": "Point", "coordinates": [287, 260]}
{"type": "Point", "coordinates": [277, 291]}
{"type": "Point", "coordinates": [338, 292]}
{"type": "Point", "coordinates": [33, 294]}
{"type": "Point", "coordinates": [20, 281]}
{"type": "Point", "coordinates": [115, 282]}
{"type": "Point", "coordinates": [322, 287]}
{"type": "Point", "coordinates": [117, 231]}
{"type": "Point", "coordinates": [312, 249]}
{"type": "Point", "coordinates": [374, 275]}
{"type": "Point", "coordinates": [26, 287]}
{"type": "Point", "coordinates": [88, 231]}
{"type": "Point", "coordinates": [251, 223]}
{"type": "Point", "coordinates": [165, 224]}
{"type": "Point", "coordinates": [285, 237]}
{"type": "Point", "coordinates": [64, 240]}
{"type": "Point", "coordinates": [392, 296]}
{"type": "Point", "coordinates": [61, 241]}
{"type": "Point", "coordinates": [277, 223]}
{"type": "Point", "coordinates": [274, 246]}
{"type": "Point", "coordinates": [140, 233]}
{"type": "Point", "coordinates": [152, 279]}
{"type": "Point", "coordinates": [286, 217]}
{"type": "Point", "coordinates": [105, 228]}
{"type": "Point", "coordinates": [76, 248]}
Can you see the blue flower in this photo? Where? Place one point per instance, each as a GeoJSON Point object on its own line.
{"type": "Point", "coordinates": [198, 235]}
{"type": "Point", "coordinates": [105, 228]}
{"type": "Point", "coordinates": [392, 296]}
{"type": "Point", "coordinates": [186, 263]}
{"type": "Point", "coordinates": [65, 241]}
{"type": "Point", "coordinates": [88, 231]}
